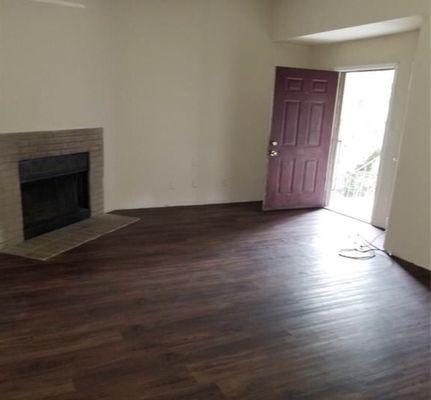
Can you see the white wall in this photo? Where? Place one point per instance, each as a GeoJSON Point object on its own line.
{"type": "Point", "coordinates": [395, 49]}
{"type": "Point", "coordinates": [409, 225]}
{"type": "Point", "coordinates": [183, 89]}
{"type": "Point", "coordinates": [56, 70]}
{"type": "Point", "coordinates": [409, 235]}
{"type": "Point", "coordinates": [196, 83]}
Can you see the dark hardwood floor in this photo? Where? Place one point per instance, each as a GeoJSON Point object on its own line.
{"type": "Point", "coordinates": [212, 303]}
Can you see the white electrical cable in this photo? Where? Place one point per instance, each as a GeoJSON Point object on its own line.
{"type": "Point", "coordinates": [362, 251]}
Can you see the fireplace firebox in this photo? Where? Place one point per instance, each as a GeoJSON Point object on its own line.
{"type": "Point", "coordinates": [54, 192]}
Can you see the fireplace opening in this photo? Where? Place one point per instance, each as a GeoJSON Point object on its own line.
{"type": "Point", "coordinates": [54, 192]}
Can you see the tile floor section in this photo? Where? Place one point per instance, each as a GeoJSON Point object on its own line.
{"type": "Point", "coordinates": [57, 242]}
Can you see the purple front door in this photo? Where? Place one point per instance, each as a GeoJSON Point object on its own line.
{"type": "Point", "coordinates": [303, 113]}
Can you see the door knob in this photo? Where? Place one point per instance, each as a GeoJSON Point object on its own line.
{"type": "Point", "coordinates": [273, 153]}
{"type": "Point", "coordinates": [274, 143]}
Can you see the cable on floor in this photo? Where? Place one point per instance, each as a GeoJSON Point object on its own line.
{"type": "Point", "coordinates": [363, 249]}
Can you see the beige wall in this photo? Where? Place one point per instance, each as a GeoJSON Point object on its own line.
{"type": "Point", "coordinates": [395, 49]}
{"type": "Point", "coordinates": [195, 88]}
{"type": "Point", "coordinates": [409, 235]}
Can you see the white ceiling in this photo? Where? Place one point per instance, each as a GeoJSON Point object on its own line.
{"type": "Point", "coordinates": [362, 32]}
{"type": "Point", "coordinates": [64, 3]}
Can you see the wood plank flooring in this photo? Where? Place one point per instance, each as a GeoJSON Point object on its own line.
{"type": "Point", "coordinates": [216, 303]}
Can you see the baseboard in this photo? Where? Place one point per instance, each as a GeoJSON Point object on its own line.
{"type": "Point", "coordinates": [234, 203]}
{"type": "Point", "coordinates": [413, 269]}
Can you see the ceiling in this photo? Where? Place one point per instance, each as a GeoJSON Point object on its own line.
{"type": "Point", "coordinates": [382, 28]}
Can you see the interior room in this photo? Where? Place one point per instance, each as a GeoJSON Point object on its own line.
{"type": "Point", "coordinates": [215, 199]}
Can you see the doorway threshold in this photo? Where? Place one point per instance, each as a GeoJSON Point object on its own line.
{"type": "Point", "coordinates": [354, 218]}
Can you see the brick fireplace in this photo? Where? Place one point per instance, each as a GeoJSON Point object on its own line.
{"type": "Point", "coordinates": [68, 159]}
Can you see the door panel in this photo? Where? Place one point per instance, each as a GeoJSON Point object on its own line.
{"type": "Point", "coordinates": [303, 113]}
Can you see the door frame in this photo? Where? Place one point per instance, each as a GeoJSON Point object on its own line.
{"type": "Point", "coordinates": [336, 130]}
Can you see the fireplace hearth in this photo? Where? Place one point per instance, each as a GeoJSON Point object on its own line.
{"type": "Point", "coordinates": [54, 192]}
